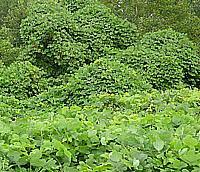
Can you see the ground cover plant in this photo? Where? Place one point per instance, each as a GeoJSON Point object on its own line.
{"type": "Point", "coordinates": [151, 132]}
{"type": "Point", "coordinates": [83, 90]}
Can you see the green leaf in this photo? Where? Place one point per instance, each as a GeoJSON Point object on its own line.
{"type": "Point", "coordinates": [14, 156]}
{"type": "Point", "coordinates": [37, 162]}
{"type": "Point", "coordinates": [192, 157]}
{"type": "Point", "coordinates": [136, 163]}
{"type": "Point", "coordinates": [190, 141]}
{"type": "Point", "coordinates": [103, 141]}
{"type": "Point", "coordinates": [177, 164]}
{"type": "Point", "coordinates": [35, 158]}
{"type": "Point", "coordinates": [158, 144]}
{"type": "Point", "coordinates": [37, 154]}
{"type": "Point", "coordinates": [103, 167]}
{"type": "Point", "coordinates": [115, 156]}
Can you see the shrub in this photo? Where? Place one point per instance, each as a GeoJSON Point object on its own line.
{"type": "Point", "coordinates": [166, 57]}
{"type": "Point", "coordinates": [62, 41]}
{"type": "Point", "coordinates": [9, 106]}
{"type": "Point", "coordinates": [102, 76]}
{"type": "Point", "coordinates": [22, 80]}
{"type": "Point", "coordinates": [99, 28]}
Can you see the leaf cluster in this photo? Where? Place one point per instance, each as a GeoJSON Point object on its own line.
{"type": "Point", "coordinates": [8, 52]}
{"type": "Point", "coordinates": [87, 95]}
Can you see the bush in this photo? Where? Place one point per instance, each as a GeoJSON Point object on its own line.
{"type": "Point", "coordinates": [22, 80]}
{"type": "Point", "coordinates": [102, 76]}
{"type": "Point", "coordinates": [99, 28]}
{"type": "Point", "coordinates": [9, 106]}
{"type": "Point", "coordinates": [7, 52]}
{"type": "Point", "coordinates": [166, 57]}
{"type": "Point", "coordinates": [61, 41]}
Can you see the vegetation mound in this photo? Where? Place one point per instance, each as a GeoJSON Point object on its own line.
{"type": "Point", "coordinates": [80, 92]}
{"type": "Point", "coordinates": [166, 57]}
{"type": "Point", "coordinates": [61, 42]}
{"type": "Point", "coordinates": [22, 80]}
{"type": "Point", "coordinates": [102, 76]}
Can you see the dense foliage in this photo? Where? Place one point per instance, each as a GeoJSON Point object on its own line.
{"type": "Point", "coordinates": [11, 14]}
{"type": "Point", "coordinates": [150, 132]}
{"type": "Point", "coordinates": [62, 42]}
{"type": "Point", "coordinates": [102, 76]}
{"type": "Point", "coordinates": [83, 90]}
{"type": "Point", "coordinates": [150, 16]}
{"type": "Point", "coordinates": [166, 57]}
{"type": "Point", "coordinates": [8, 52]}
{"type": "Point", "coordinates": [22, 80]}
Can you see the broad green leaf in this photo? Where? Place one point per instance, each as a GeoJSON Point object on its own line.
{"type": "Point", "coordinates": [190, 141]}
{"type": "Point", "coordinates": [177, 164]}
{"type": "Point", "coordinates": [158, 144]}
{"type": "Point", "coordinates": [115, 156]}
{"type": "Point", "coordinates": [192, 157]}
{"type": "Point", "coordinates": [35, 158]}
{"type": "Point", "coordinates": [103, 141]}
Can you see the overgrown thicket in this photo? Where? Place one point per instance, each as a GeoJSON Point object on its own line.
{"type": "Point", "coordinates": [166, 57]}
{"type": "Point", "coordinates": [22, 80]}
{"type": "Point", "coordinates": [84, 89]}
{"type": "Point", "coordinates": [61, 41]}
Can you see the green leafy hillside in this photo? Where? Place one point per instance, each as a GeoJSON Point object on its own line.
{"type": "Point", "coordinates": [86, 88]}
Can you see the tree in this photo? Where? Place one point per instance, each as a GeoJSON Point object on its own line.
{"type": "Point", "coordinates": [11, 15]}
{"type": "Point", "coordinates": [153, 15]}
